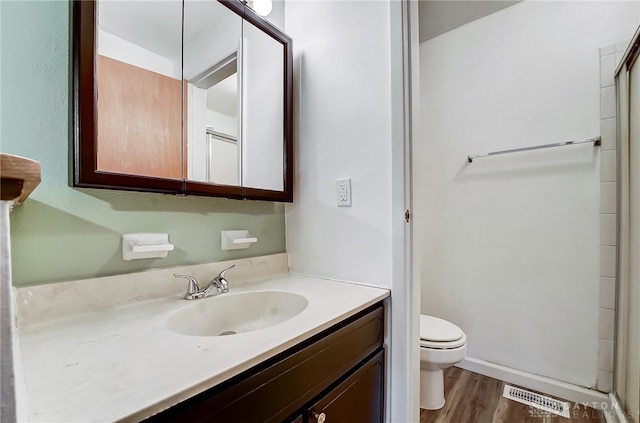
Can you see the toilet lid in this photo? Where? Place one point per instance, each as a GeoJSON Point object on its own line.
{"type": "Point", "coordinates": [438, 330]}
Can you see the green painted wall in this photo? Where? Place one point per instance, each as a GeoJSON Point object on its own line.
{"type": "Point", "coordinates": [62, 233]}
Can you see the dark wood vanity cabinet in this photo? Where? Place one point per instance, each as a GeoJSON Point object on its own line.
{"type": "Point", "coordinates": [339, 372]}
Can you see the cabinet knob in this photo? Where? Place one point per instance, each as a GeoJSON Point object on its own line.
{"type": "Point", "coordinates": [319, 417]}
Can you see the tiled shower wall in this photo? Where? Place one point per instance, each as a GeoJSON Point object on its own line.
{"type": "Point", "coordinates": [609, 58]}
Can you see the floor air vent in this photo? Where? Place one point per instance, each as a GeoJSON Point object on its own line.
{"type": "Point", "coordinates": [538, 401]}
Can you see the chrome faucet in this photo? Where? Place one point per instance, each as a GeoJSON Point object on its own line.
{"type": "Point", "coordinates": [193, 290]}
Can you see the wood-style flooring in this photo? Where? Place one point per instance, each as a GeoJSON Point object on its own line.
{"type": "Point", "coordinates": [474, 398]}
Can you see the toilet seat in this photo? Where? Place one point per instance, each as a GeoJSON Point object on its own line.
{"type": "Point", "coordinates": [440, 334]}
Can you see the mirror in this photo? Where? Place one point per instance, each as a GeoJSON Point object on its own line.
{"type": "Point", "coordinates": [262, 127]}
{"type": "Point", "coordinates": [181, 96]}
{"type": "Point", "coordinates": [213, 87]}
{"type": "Point", "coordinates": [139, 101]}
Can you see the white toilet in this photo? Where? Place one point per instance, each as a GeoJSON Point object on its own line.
{"type": "Point", "coordinates": [442, 345]}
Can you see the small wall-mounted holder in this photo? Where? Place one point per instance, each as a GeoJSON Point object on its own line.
{"type": "Point", "coordinates": [236, 240]}
{"type": "Point", "coordinates": [143, 246]}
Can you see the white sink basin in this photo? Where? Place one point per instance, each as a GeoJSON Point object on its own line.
{"type": "Point", "coordinates": [229, 314]}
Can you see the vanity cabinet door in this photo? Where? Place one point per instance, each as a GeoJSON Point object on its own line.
{"type": "Point", "coordinates": [359, 399]}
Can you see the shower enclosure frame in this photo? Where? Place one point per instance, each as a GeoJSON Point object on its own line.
{"type": "Point", "coordinates": [625, 395]}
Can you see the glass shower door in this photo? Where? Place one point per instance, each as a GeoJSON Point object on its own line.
{"type": "Point", "coordinates": [627, 355]}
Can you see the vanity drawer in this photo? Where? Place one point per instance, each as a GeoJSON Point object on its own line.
{"type": "Point", "coordinates": [279, 388]}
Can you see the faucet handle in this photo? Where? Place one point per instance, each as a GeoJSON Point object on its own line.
{"type": "Point", "coordinates": [224, 285]}
{"type": "Point", "coordinates": [193, 289]}
{"type": "Point", "coordinates": [221, 274]}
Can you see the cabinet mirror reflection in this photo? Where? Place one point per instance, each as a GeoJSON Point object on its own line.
{"type": "Point", "coordinates": [190, 97]}
{"type": "Point", "coordinates": [213, 108]}
{"type": "Point", "coordinates": [139, 76]}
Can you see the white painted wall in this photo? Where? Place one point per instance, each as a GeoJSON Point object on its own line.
{"type": "Point", "coordinates": [224, 162]}
{"type": "Point", "coordinates": [212, 32]}
{"type": "Point", "coordinates": [222, 123]}
{"type": "Point", "coordinates": [341, 50]}
{"type": "Point", "coordinates": [510, 244]}
{"type": "Point", "coordinates": [117, 48]}
{"type": "Point", "coordinates": [224, 155]}
{"type": "Point", "coordinates": [348, 64]}
{"type": "Point", "coordinates": [196, 133]}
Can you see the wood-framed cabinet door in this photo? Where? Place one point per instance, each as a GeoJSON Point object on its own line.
{"type": "Point", "coordinates": [358, 399]}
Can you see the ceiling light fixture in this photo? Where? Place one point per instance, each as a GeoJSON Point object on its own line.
{"type": "Point", "coordinates": [261, 7]}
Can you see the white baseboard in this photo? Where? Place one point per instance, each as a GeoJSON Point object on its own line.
{"type": "Point", "coordinates": [548, 386]}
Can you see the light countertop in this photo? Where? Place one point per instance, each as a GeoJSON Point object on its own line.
{"type": "Point", "coordinates": [124, 364]}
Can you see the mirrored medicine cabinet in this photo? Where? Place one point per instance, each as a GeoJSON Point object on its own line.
{"type": "Point", "coordinates": [181, 96]}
